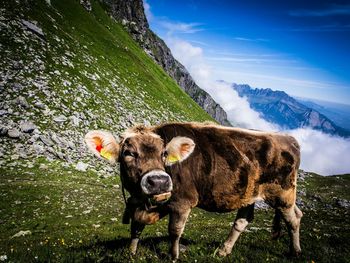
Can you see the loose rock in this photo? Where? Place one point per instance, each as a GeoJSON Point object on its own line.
{"type": "Point", "coordinates": [13, 133]}
{"type": "Point", "coordinates": [60, 118]}
{"type": "Point", "coordinates": [22, 102]}
{"type": "Point", "coordinates": [34, 28]}
{"type": "Point", "coordinates": [27, 127]}
{"type": "Point", "coordinates": [46, 140]}
{"type": "Point", "coordinates": [3, 131]}
{"type": "Point", "coordinates": [81, 166]}
{"type": "Point", "coordinates": [22, 233]}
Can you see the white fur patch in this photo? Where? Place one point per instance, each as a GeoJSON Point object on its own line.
{"type": "Point", "coordinates": [241, 224]}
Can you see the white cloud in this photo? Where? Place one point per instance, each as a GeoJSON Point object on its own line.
{"type": "Point", "coordinates": [251, 39]}
{"type": "Point", "coordinates": [180, 27]}
{"type": "Point", "coordinates": [322, 153]}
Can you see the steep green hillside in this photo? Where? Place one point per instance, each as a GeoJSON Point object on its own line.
{"type": "Point", "coordinates": [65, 70]}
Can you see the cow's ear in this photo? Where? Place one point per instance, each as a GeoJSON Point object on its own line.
{"type": "Point", "coordinates": [178, 149]}
{"type": "Point", "coordinates": [103, 145]}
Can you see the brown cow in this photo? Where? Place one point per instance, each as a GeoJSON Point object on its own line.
{"type": "Point", "coordinates": [171, 168]}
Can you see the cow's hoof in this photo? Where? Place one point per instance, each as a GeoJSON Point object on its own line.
{"type": "Point", "coordinates": [296, 254]}
{"type": "Point", "coordinates": [182, 248]}
{"type": "Point", "coordinates": [293, 254]}
{"type": "Point", "coordinates": [132, 251]}
{"type": "Point", "coordinates": [174, 259]}
{"type": "Point", "coordinates": [133, 246]}
{"type": "Point", "coordinates": [223, 252]}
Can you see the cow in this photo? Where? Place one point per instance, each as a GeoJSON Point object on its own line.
{"type": "Point", "coordinates": [171, 168]}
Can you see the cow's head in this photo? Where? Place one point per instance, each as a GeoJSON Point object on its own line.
{"type": "Point", "coordinates": [143, 157]}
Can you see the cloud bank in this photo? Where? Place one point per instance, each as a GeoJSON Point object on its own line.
{"type": "Point", "coordinates": [321, 153]}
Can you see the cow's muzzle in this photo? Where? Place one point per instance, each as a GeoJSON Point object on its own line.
{"type": "Point", "coordinates": [157, 184]}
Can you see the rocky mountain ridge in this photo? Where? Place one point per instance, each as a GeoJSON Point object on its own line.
{"type": "Point", "coordinates": [131, 14]}
{"type": "Point", "coordinates": [280, 108]}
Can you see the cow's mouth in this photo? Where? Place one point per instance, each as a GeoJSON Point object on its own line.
{"type": "Point", "coordinates": [161, 198]}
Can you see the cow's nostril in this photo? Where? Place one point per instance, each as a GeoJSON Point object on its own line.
{"type": "Point", "coordinates": [151, 181]}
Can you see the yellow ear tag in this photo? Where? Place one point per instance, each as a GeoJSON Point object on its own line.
{"type": "Point", "coordinates": [106, 154]}
{"type": "Point", "coordinates": [172, 158]}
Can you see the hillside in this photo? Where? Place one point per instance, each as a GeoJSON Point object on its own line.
{"type": "Point", "coordinates": [280, 108]}
{"type": "Point", "coordinates": [65, 70]}
{"type": "Point", "coordinates": [131, 14]}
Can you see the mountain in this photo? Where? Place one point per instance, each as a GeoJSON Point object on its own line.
{"type": "Point", "coordinates": [280, 108]}
{"type": "Point", "coordinates": [339, 113]}
{"type": "Point", "coordinates": [67, 67]}
{"type": "Point", "coordinates": [130, 13]}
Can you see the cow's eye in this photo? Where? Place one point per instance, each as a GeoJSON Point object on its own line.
{"type": "Point", "coordinates": [129, 154]}
{"type": "Point", "coordinates": [164, 155]}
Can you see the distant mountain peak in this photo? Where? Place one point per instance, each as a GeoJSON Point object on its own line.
{"type": "Point", "coordinates": [278, 107]}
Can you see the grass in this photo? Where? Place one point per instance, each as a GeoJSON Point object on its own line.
{"type": "Point", "coordinates": [76, 217]}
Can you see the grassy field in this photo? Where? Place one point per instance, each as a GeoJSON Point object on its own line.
{"type": "Point", "coordinates": [71, 216]}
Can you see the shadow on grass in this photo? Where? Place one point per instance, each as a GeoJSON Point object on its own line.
{"type": "Point", "coordinates": [117, 250]}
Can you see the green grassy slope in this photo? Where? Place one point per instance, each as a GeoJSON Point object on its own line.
{"type": "Point", "coordinates": [76, 217]}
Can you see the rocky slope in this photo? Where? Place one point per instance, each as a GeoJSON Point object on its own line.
{"type": "Point", "coordinates": [67, 68]}
{"type": "Point", "coordinates": [131, 14]}
{"type": "Point", "coordinates": [280, 108]}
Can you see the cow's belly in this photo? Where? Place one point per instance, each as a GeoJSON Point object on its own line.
{"type": "Point", "coordinates": [224, 202]}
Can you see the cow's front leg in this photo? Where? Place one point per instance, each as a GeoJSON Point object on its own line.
{"type": "Point", "coordinates": [177, 223]}
{"type": "Point", "coordinates": [136, 230]}
{"type": "Point", "coordinates": [244, 216]}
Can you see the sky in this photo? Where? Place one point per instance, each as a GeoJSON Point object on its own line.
{"type": "Point", "coordinates": [301, 47]}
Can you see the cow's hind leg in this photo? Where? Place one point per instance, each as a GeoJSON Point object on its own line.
{"type": "Point", "coordinates": [244, 216]}
{"type": "Point", "coordinates": [292, 217]}
{"type": "Point", "coordinates": [276, 225]}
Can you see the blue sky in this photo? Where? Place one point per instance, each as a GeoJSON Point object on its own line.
{"type": "Point", "coordinates": [301, 47]}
